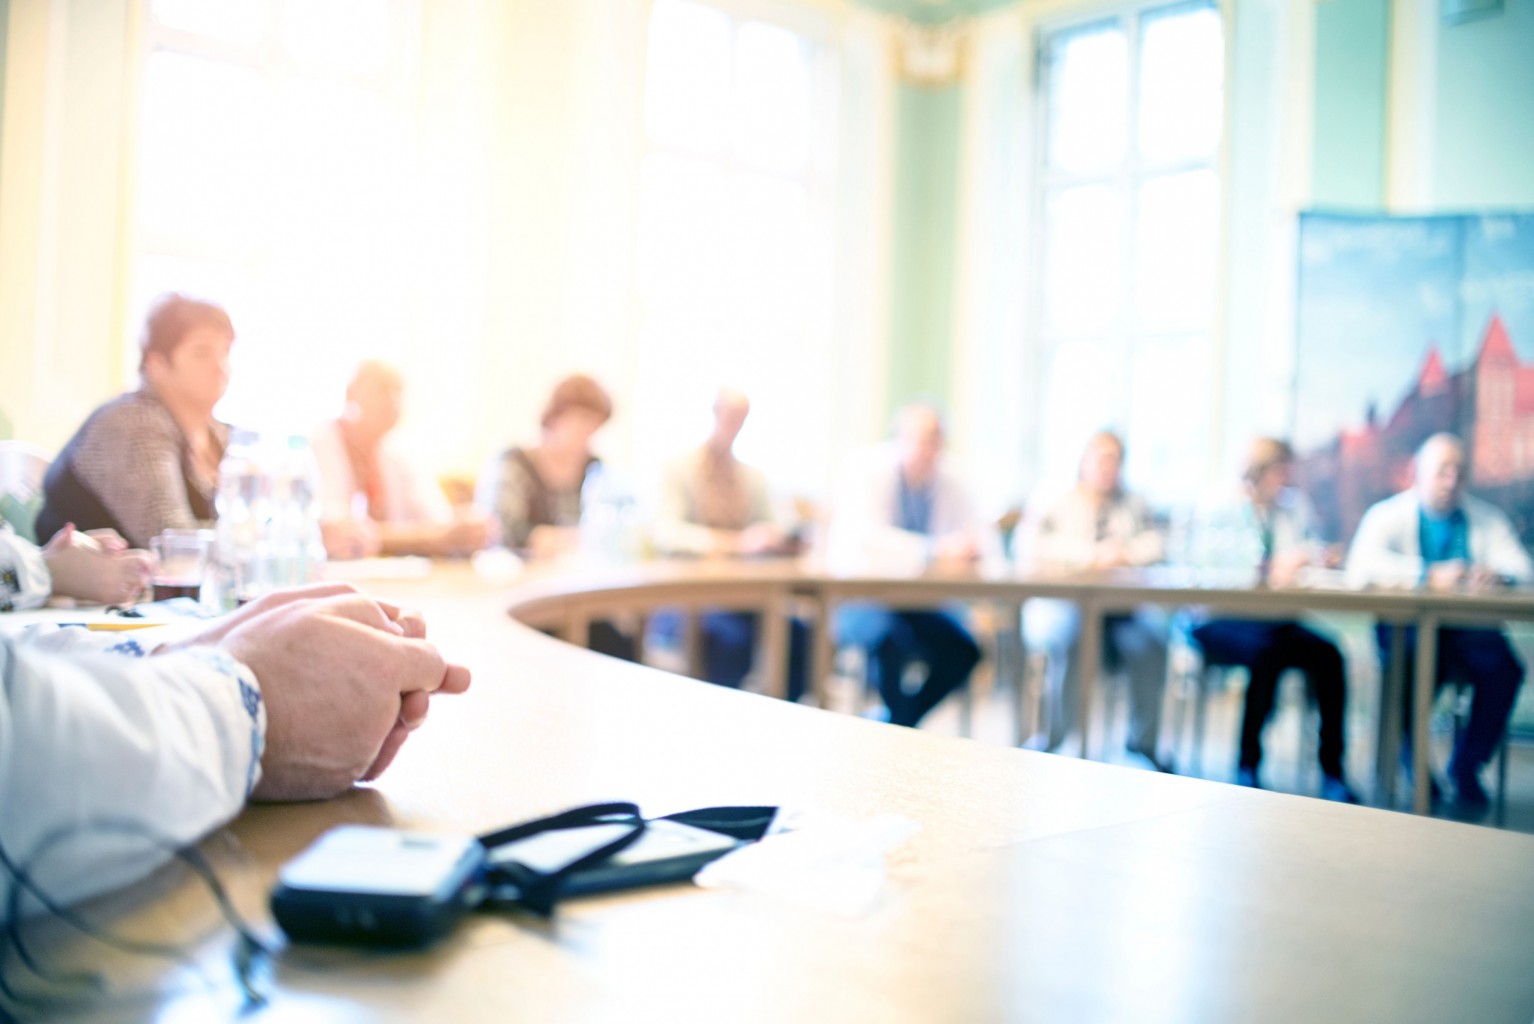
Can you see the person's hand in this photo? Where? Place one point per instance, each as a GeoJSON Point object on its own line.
{"type": "Point", "coordinates": [1480, 579]}
{"type": "Point", "coordinates": [1445, 575]}
{"type": "Point", "coordinates": [1110, 554]}
{"type": "Point", "coordinates": [83, 567]}
{"type": "Point", "coordinates": [1285, 569]}
{"type": "Point", "coordinates": [345, 680]}
{"type": "Point", "coordinates": [469, 533]}
{"type": "Point", "coordinates": [350, 538]}
{"type": "Point", "coordinates": [110, 540]}
{"type": "Point", "coordinates": [761, 539]}
{"type": "Point", "coordinates": [548, 542]}
{"type": "Point", "coordinates": [955, 549]}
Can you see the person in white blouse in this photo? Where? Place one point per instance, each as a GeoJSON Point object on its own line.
{"type": "Point", "coordinates": [1435, 535]}
{"type": "Point", "coordinates": [902, 512]}
{"type": "Point", "coordinates": [116, 748]}
{"type": "Point", "coordinates": [1095, 526]}
{"type": "Point", "coordinates": [373, 500]}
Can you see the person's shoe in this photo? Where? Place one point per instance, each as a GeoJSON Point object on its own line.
{"type": "Point", "coordinates": [1334, 788]}
{"type": "Point", "coordinates": [1155, 762]}
{"type": "Point", "coordinates": [1468, 792]}
{"type": "Point", "coordinates": [1248, 777]}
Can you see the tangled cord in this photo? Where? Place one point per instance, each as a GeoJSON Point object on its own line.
{"type": "Point", "coordinates": [250, 955]}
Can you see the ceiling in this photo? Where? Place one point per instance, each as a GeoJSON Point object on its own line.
{"type": "Point", "coordinates": [934, 11]}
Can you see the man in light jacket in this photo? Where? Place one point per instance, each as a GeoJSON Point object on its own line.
{"type": "Point", "coordinates": [901, 513]}
{"type": "Point", "coordinates": [1436, 536]}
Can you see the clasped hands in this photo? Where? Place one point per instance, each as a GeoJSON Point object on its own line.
{"type": "Point", "coordinates": [345, 678]}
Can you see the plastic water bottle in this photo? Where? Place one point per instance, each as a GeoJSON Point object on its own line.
{"type": "Point", "coordinates": [244, 503]}
{"type": "Point", "coordinates": [296, 544]}
{"type": "Point", "coordinates": [609, 524]}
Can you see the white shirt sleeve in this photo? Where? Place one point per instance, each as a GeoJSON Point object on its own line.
{"type": "Point", "coordinates": [24, 578]}
{"type": "Point", "coordinates": [98, 747]}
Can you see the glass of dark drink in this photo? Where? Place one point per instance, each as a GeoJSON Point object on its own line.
{"type": "Point", "coordinates": [181, 563]}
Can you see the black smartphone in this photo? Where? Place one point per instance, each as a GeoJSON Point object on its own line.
{"type": "Point", "coordinates": [668, 851]}
{"type": "Point", "coordinates": [380, 886]}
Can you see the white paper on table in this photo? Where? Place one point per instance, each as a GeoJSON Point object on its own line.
{"type": "Point", "coordinates": [823, 862]}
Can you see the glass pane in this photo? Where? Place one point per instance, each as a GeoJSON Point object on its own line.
{"type": "Point", "coordinates": [237, 21]}
{"type": "Point", "coordinates": [771, 243]}
{"type": "Point", "coordinates": [1182, 81]}
{"type": "Point", "coordinates": [350, 35]}
{"type": "Point", "coordinates": [1170, 408]}
{"type": "Point", "coordinates": [687, 84]}
{"type": "Point", "coordinates": [772, 82]}
{"type": "Point", "coordinates": [1088, 96]}
{"type": "Point", "coordinates": [1083, 259]}
{"type": "Point", "coordinates": [1177, 233]}
{"type": "Point", "coordinates": [206, 146]}
{"type": "Point", "coordinates": [1085, 393]}
{"type": "Point", "coordinates": [685, 246]}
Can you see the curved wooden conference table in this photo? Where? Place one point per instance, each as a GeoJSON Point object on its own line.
{"type": "Point", "coordinates": [1038, 887]}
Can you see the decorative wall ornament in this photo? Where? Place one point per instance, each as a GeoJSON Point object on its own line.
{"type": "Point", "coordinates": [931, 55]}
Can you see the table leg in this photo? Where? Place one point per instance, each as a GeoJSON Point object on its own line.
{"type": "Point", "coordinates": [1423, 688]}
{"type": "Point", "coordinates": [1016, 665]}
{"type": "Point", "coordinates": [578, 627]}
{"type": "Point", "coordinates": [692, 643]}
{"type": "Point", "coordinates": [1089, 649]}
{"type": "Point", "coordinates": [1388, 748]}
{"type": "Point", "coordinates": [823, 650]}
{"type": "Point", "coordinates": [772, 645]}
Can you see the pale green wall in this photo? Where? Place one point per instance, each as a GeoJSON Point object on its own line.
{"type": "Point", "coordinates": [1352, 65]}
{"type": "Point", "coordinates": [925, 224]}
{"type": "Point", "coordinates": [1483, 146]}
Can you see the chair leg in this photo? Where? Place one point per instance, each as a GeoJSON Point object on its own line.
{"type": "Point", "coordinates": [1200, 717]}
{"type": "Point", "coordinates": [1502, 784]}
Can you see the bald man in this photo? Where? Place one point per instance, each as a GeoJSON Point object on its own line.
{"type": "Point", "coordinates": [904, 512]}
{"type": "Point", "coordinates": [1437, 536]}
{"type": "Point", "coordinates": [373, 500]}
{"type": "Point", "coordinates": [715, 506]}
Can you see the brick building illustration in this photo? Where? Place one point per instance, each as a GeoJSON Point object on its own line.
{"type": "Point", "coordinates": [1489, 403]}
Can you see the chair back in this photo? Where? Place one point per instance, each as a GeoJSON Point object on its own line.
{"type": "Point", "coordinates": [22, 468]}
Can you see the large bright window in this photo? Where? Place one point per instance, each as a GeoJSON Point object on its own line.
{"type": "Point", "coordinates": [275, 176]}
{"type": "Point", "coordinates": [1128, 197]}
{"type": "Point", "coordinates": [736, 236]}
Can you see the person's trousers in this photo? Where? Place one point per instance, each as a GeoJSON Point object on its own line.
{"type": "Point", "coordinates": [1480, 658]}
{"type": "Point", "coordinates": [895, 640]}
{"type": "Point", "coordinates": [1134, 644]}
{"type": "Point", "coordinates": [729, 646]}
{"type": "Point", "coordinates": [1267, 650]}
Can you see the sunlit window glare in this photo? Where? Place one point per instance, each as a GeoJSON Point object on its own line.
{"type": "Point", "coordinates": [735, 250]}
{"type": "Point", "coordinates": [278, 181]}
{"type": "Point", "coordinates": [1131, 205]}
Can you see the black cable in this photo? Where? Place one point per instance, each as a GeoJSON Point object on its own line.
{"type": "Point", "coordinates": [250, 953]}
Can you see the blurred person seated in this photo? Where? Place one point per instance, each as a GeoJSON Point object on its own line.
{"type": "Point", "coordinates": [534, 494]}
{"type": "Point", "coordinates": [1436, 536]}
{"type": "Point", "coordinates": [1096, 526]}
{"type": "Point", "coordinates": [96, 567]}
{"type": "Point", "coordinates": [713, 505]}
{"type": "Point", "coordinates": [1269, 527]}
{"type": "Point", "coordinates": [903, 513]}
{"type": "Point", "coordinates": [373, 500]}
{"type": "Point", "coordinates": [148, 461]}
{"type": "Point", "coordinates": [106, 740]}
